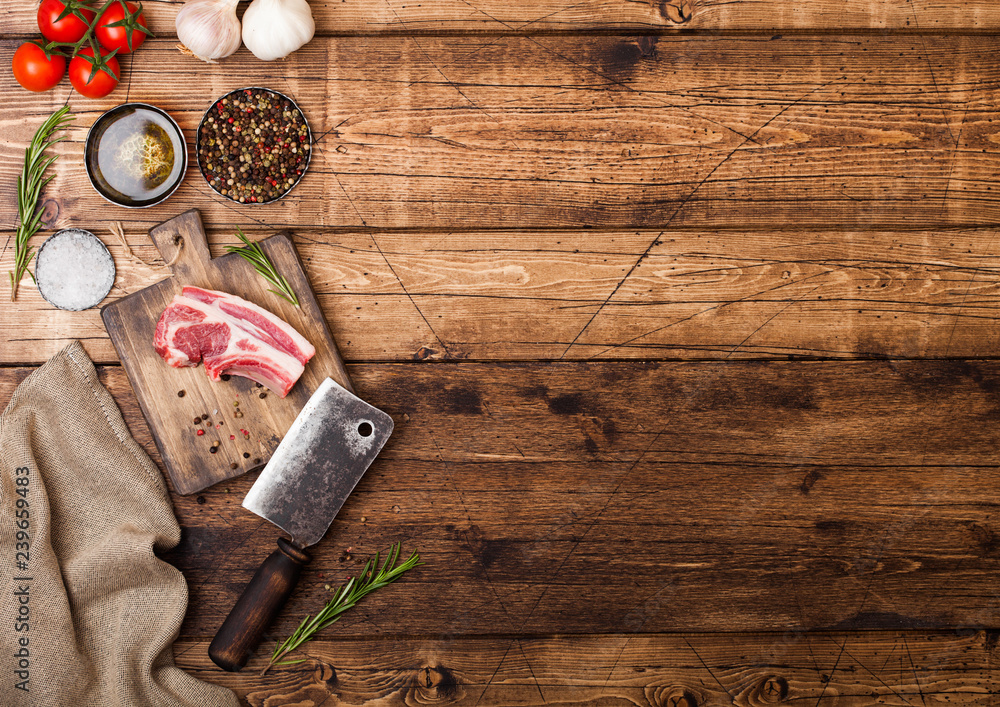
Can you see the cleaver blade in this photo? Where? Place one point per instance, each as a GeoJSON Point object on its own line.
{"type": "Point", "coordinates": [320, 460]}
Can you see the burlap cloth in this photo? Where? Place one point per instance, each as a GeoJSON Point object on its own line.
{"type": "Point", "coordinates": [89, 613]}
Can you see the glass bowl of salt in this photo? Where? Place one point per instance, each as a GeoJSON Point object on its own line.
{"type": "Point", "coordinates": [74, 270]}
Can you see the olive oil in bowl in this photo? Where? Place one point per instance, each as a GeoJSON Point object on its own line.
{"type": "Point", "coordinates": [136, 155]}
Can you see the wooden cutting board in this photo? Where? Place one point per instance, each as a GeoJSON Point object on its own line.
{"type": "Point", "coordinates": [171, 398]}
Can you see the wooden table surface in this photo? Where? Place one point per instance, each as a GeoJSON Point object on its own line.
{"type": "Point", "coordinates": [686, 313]}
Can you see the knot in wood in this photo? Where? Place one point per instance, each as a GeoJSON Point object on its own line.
{"type": "Point", "coordinates": [50, 212]}
{"type": "Point", "coordinates": [772, 690]}
{"type": "Point", "coordinates": [679, 11]}
{"type": "Point", "coordinates": [434, 684]}
{"type": "Point", "coordinates": [677, 697]}
{"type": "Point", "coordinates": [326, 674]}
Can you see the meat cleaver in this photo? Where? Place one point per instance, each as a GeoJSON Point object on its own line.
{"type": "Point", "coordinates": [324, 454]}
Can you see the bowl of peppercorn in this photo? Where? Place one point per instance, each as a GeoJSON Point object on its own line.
{"type": "Point", "coordinates": [253, 145]}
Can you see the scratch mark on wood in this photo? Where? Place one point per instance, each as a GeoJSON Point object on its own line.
{"type": "Point", "coordinates": [836, 663]}
{"type": "Point", "coordinates": [635, 631]}
{"type": "Point", "coordinates": [590, 527]}
{"type": "Point", "coordinates": [409, 296]}
{"type": "Point", "coordinates": [396, 94]}
{"type": "Point", "coordinates": [708, 309]}
{"type": "Point", "coordinates": [448, 80]}
{"type": "Point", "coordinates": [531, 670]}
{"type": "Point", "coordinates": [705, 665]}
{"type": "Point", "coordinates": [537, 19]}
{"type": "Point", "coordinates": [930, 68]}
{"type": "Point", "coordinates": [770, 319]}
{"type": "Point", "coordinates": [913, 668]}
{"type": "Point", "coordinates": [618, 659]}
{"type": "Point", "coordinates": [350, 201]}
{"type": "Point", "coordinates": [494, 675]}
{"type": "Point", "coordinates": [876, 676]}
{"type": "Point", "coordinates": [965, 297]}
{"type": "Point", "coordinates": [954, 152]}
{"type": "Point", "coordinates": [604, 76]}
{"type": "Point", "coordinates": [684, 202]}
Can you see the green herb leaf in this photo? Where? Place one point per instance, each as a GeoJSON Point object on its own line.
{"type": "Point", "coordinates": [345, 597]}
{"type": "Point", "coordinates": [29, 187]}
{"type": "Point", "coordinates": [255, 255]}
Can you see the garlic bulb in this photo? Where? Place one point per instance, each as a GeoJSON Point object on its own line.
{"type": "Point", "coordinates": [276, 28]}
{"type": "Point", "coordinates": [209, 28]}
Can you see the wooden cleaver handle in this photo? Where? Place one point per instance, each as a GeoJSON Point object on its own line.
{"type": "Point", "coordinates": [261, 601]}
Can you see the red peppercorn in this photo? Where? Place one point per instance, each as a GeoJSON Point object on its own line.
{"type": "Point", "coordinates": [230, 120]}
{"type": "Point", "coordinates": [200, 432]}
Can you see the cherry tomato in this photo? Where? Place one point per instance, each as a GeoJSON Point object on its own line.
{"type": "Point", "coordinates": [69, 29]}
{"type": "Point", "coordinates": [117, 37]}
{"type": "Point", "coordinates": [101, 84]}
{"type": "Point", "coordinates": [34, 71]}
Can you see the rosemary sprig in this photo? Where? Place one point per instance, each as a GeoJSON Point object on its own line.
{"type": "Point", "coordinates": [255, 255]}
{"type": "Point", "coordinates": [29, 186]}
{"type": "Point", "coordinates": [344, 598]}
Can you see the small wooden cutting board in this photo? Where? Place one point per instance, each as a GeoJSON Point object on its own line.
{"type": "Point", "coordinates": [246, 421]}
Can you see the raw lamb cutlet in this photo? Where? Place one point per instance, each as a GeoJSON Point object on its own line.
{"type": "Point", "coordinates": [231, 335]}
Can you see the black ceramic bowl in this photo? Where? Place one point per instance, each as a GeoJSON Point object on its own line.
{"type": "Point", "coordinates": [135, 155]}
{"type": "Point", "coordinates": [215, 169]}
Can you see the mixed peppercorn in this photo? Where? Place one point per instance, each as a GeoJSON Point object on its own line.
{"type": "Point", "coordinates": [253, 145]}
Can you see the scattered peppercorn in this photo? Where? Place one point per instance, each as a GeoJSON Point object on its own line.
{"type": "Point", "coordinates": [253, 145]}
{"type": "Point", "coordinates": [225, 376]}
{"type": "Point", "coordinates": [201, 499]}
{"type": "Point", "coordinates": [237, 414]}
{"type": "Point", "coordinates": [263, 395]}
{"type": "Point", "coordinates": [257, 460]}
{"type": "Point", "coordinates": [246, 455]}
{"type": "Point", "coordinates": [205, 416]}
{"type": "Point", "coordinates": [232, 436]}
{"type": "Point", "coordinates": [213, 450]}
{"type": "Point", "coordinates": [197, 420]}
{"type": "Point", "coordinates": [200, 432]}
{"type": "Point", "coordinates": [234, 465]}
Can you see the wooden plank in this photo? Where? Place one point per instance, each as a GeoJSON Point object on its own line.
{"type": "Point", "coordinates": [525, 295]}
{"type": "Point", "coordinates": [378, 17]}
{"type": "Point", "coordinates": [455, 133]}
{"type": "Point", "coordinates": [171, 397]}
{"type": "Point", "coordinates": [575, 498]}
{"type": "Point", "coordinates": [844, 669]}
